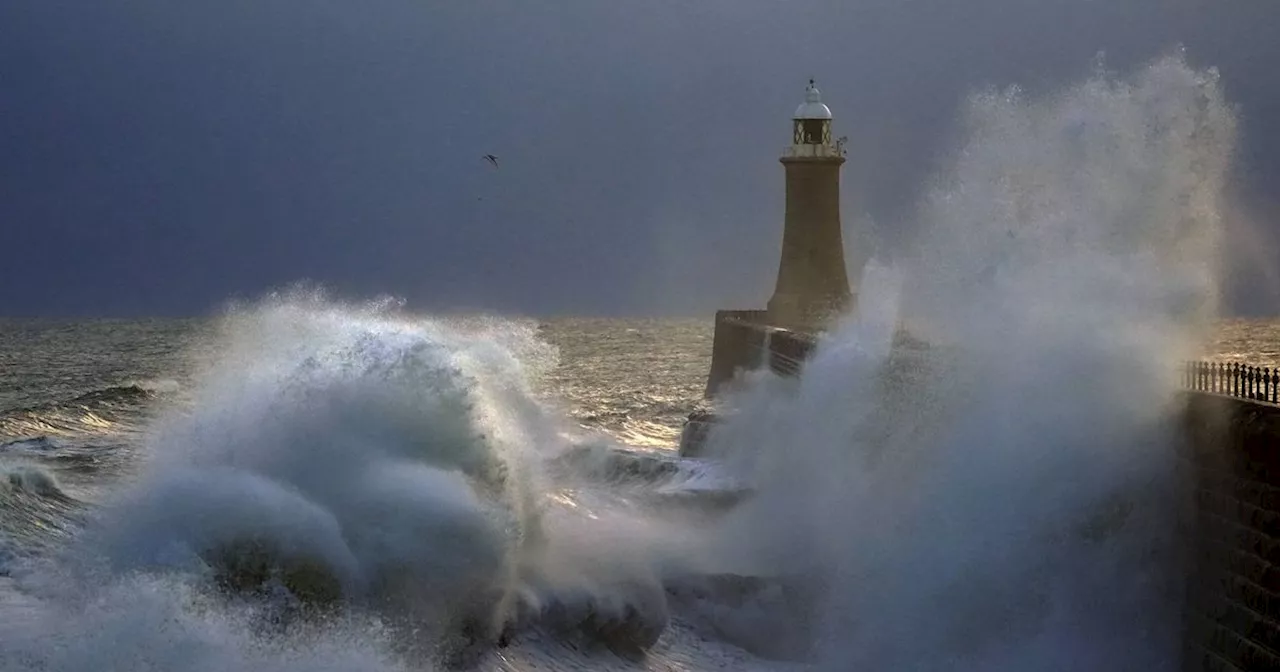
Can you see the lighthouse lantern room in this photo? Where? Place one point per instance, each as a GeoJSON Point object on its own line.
{"type": "Point", "coordinates": [811, 127]}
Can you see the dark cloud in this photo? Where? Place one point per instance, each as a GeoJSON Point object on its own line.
{"type": "Point", "coordinates": [157, 157]}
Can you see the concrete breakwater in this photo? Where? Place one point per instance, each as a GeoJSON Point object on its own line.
{"type": "Point", "coordinates": [1229, 460]}
{"type": "Point", "coordinates": [744, 341]}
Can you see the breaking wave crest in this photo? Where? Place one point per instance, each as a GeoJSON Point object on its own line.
{"type": "Point", "coordinates": [341, 463]}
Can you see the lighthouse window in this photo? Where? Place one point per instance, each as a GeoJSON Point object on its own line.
{"type": "Point", "coordinates": [813, 131]}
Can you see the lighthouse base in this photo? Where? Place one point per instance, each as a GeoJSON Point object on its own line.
{"type": "Point", "coordinates": [804, 313]}
{"type": "Point", "coordinates": [746, 340]}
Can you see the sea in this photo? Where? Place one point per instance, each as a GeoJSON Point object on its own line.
{"type": "Point", "coordinates": [83, 402]}
{"type": "Point", "coordinates": [87, 405]}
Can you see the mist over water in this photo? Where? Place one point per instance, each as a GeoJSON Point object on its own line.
{"type": "Point", "coordinates": [1007, 499]}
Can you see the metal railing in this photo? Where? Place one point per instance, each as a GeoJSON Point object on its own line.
{"type": "Point", "coordinates": [1233, 379]}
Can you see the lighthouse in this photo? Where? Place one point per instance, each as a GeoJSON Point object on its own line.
{"type": "Point", "coordinates": [813, 284]}
{"type": "Point", "coordinates": [812, 281]}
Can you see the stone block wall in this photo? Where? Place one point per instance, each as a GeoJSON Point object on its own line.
{"type": "Point", "coordinates": [1233, 611]}
{"type": "Point", "coordinates": [735, 347]}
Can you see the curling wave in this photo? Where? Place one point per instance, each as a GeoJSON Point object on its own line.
{"type": "Point", "coordinates": [337, 461]}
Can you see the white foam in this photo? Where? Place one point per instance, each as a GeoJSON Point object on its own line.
{"type": "Point", "coordinates": [403, 456]}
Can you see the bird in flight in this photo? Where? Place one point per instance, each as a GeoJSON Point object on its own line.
{"type": "Point", "coordinates": [491, 159]}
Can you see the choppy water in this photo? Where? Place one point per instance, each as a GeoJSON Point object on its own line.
{"type": "Point", "coordinates": [76, 398]}
{"type": "Point", "coordinates": [1255, 342]}
{"type": "Point", "coordinates": [92, 410]}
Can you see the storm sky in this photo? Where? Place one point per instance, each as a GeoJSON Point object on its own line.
{"type": "Point", "coordinates": [158, 157]}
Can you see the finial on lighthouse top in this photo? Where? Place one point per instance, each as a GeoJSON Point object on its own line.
{"type": "Point", "coordinates": [812, 107]}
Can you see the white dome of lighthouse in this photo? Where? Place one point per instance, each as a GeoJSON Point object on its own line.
{"type": "Point", "coordinates": [812, 107]}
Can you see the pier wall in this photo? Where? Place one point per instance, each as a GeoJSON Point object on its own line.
{"type": "Point", "coordinates": [1233, 614]}
{"type": "Point", "coordinates": [744, 341]}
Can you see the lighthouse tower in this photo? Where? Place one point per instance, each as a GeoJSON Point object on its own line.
{"type": "Point", "coordinates": [812, 281]}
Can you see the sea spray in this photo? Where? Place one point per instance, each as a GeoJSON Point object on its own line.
{"type": "Point", "coordinates": [169, 622]}
{"type": "Point", "coordinates": [340, 466]}
{"type": "Point", "coordinates": [1005, 499]}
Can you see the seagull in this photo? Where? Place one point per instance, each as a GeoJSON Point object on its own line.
{"type": "Point", "coordinates": [491, 159]}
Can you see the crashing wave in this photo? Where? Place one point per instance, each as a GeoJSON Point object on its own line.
{"type": "Point", "coordinates": [338, 460]}
{"type": "Point", "coordinates": [33, 480]}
